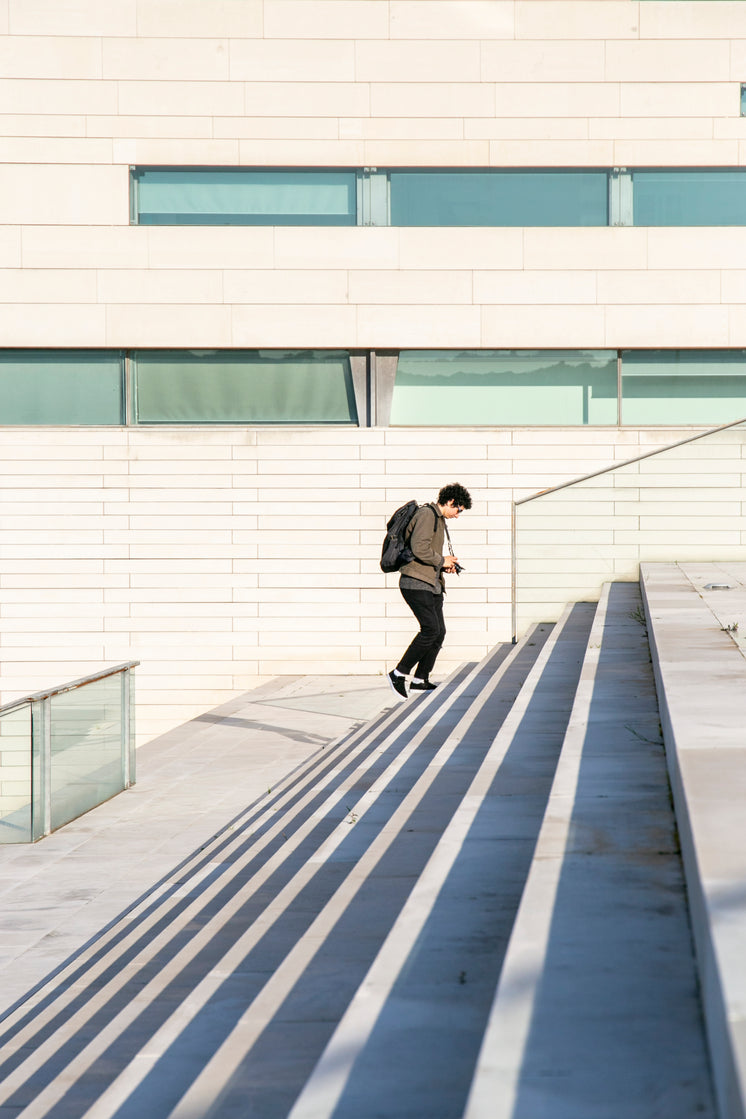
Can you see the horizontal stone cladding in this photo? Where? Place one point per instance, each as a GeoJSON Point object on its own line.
{"type": "Point", "coordinates": [355, 83]}
{"type": "Point", "coordinates": [221, 557]}
{"type": "Point", "coordinates": [348, 82]}
{"type": "Point", "coordinates": [129, 287]}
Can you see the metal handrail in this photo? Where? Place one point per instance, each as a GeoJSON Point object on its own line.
{"type": "Point", "coordinates": [68, 687]}
{"type": "Point", "coordinates": [575, 482]}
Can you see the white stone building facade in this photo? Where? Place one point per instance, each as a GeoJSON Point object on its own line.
{"type": "Point", "coordinates": [221, 553]}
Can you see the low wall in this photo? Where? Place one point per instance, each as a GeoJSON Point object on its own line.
{"type": "Point", "coordinates": [699, 673]}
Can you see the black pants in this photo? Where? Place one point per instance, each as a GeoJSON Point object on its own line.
{"type": "Point", "coordinates": [428, 610]}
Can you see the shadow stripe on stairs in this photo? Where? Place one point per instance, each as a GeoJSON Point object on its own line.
{"type": "Point", "coordinates": [57, 1054]}
{"type": "Point", "coordinates": [29, 1030]}
{"type": "Point", "coordinates": [421, 1008]}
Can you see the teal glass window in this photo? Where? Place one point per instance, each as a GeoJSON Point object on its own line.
{"type": "Point", "coordinates": [75, 387]}
{"type": "Point", "coordinates": [243, 387]}
{"type": "Point", "coordinates": [743, 100]}
{"type": "Point", "coordinates": [707, 197]}
{"type": "Point", "coordinates": [461, 198]}
{"type": "Point", "coordinates": [683, 386]}
{"type": "Point", "coordinates": [239, 196]}
{"type": "Point", "coordinates": [440, 197]}
{"type": "Point", "coordinates": [504, 387]}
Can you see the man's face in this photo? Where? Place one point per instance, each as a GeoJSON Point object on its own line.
{"type": "Point", "coordinates": [451, 509]}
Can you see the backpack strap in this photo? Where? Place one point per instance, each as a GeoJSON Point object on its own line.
{"type": "Point", "coordinates": [427, 505]}
{"type": "Point", "coordinates": [431, 505]}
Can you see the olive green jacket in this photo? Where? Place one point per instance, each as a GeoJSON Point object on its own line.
{"type": "Point", "coordinates": [424, 535]}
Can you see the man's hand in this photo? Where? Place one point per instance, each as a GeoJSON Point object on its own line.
{"type": "Point", "coordinates": [449, 563]}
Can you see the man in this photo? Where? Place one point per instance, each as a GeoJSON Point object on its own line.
{"type": "Point", "coordinates": [422, 586]}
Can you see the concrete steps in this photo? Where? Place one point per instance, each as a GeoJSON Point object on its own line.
{"type": "Point", "coordinates": [597, 1014]}
{"type": "Point", "coordinates": [423, 1004]}
{"type": "Point", "coordinates": [139, 1013]}
{"type": "Point", "coordinates": [472, 906]}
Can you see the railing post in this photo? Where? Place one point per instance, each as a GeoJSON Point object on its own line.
{"type": "Point", "coordinates": [41, 768]}
{"type": "Point", "coordinates": [46, 763]}
{"type": "Point", "coordinates": [128, 760]}
{"type": "Point", "coordinates": [513, 573]}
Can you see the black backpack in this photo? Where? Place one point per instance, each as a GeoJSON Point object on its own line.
{"type": "Point", "coordinates": [396, 552]}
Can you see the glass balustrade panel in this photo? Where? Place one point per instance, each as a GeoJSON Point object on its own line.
{"type": "Point", "coordinates": [15, 775]}
{"type": "Point", "coordinates": [683, 504]}
{"type": "Point", "coordinates": [86, 740]}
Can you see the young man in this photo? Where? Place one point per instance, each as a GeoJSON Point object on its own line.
{"type": "Point", "coordinates": [422, 586]}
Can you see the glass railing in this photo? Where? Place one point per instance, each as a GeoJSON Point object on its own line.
{"type": "Point", "coordinates": [682, 503]}
{"type": "Point", "coordinates": [64, 751]}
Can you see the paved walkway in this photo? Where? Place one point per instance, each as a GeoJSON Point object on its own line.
{"type": "Point", "coordinates": [59, 893]}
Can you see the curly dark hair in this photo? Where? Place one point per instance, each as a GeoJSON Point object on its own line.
{"type": "Point", "coordinates": [456, 493]}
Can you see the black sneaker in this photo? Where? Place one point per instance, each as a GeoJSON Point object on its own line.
{"type": "Point", "coordinates": [398, 684]}
{"type": "Point", "coordinates": [422, 686]}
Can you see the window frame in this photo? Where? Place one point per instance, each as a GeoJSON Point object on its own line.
{"type": "Point", "coordinates": [137, 171]}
